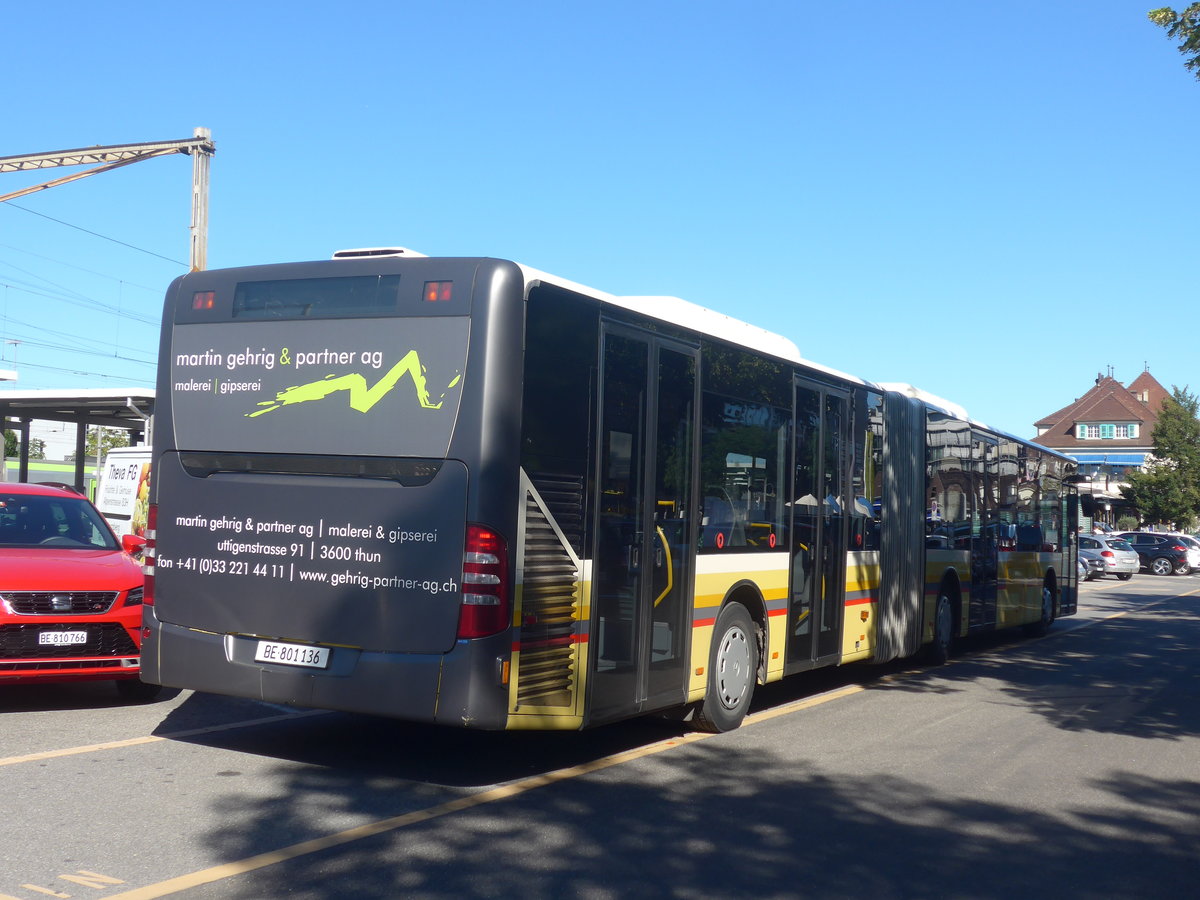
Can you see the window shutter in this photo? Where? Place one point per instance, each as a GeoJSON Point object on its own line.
{"type": "Point", "coordinates": [1107, 432]}
{"type": "Point", "coordinates": [1133, 430]}
{"type": "Point", "coordinates": [1081, 431]}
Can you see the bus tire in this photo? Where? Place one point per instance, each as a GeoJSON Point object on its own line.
{"type": "Point", "coordinates": [1042, 625]}
{"type": "Point", "coordinates": [942, 647]}
{"type": "Point", "coordinates": [732, 671]}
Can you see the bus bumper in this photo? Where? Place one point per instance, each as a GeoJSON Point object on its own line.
{"type": "Point", "coordinates": [398, 685]}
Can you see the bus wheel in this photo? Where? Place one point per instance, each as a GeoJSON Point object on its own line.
{"type": "Point", "coordinates": [732, 671]}
{"type": "Point", "coordinates": [1042, 625]}
{"type": "Point", "coordinates": [943, 631]}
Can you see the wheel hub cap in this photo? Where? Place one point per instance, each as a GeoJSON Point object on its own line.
{"type": "Point", "coordinates": [733, 667]}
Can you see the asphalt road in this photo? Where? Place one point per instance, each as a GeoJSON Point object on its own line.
{"type": "Point", "coordinates": [1067, 766]}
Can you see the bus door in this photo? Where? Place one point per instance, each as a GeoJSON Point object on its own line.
{"type": "Point", "coordinates": [645, 529]}
{"type": "Point", "coordinates": [819, 516]}
{"type": "Point", "coordinates": [986, 532]}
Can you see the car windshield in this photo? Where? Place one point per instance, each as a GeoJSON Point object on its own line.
{"type": "Point", "coordinates": [34, 520]}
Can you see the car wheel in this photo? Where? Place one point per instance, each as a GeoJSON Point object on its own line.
{"type": "Point", "coordinates": [1162, 566]}
{"type": "Point", "coordinates": [1124, 576]}
{"type": "Point", "coordinates": [1183, 568]}
{"type": "Point", "coordinates": [732, 671]}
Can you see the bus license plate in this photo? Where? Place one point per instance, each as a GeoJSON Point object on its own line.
{"type": "Point", "coordinates": [292, 654]}
{"type": "Point", "coordinates": [62, 638]}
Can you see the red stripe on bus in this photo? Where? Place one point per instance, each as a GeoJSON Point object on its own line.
{"type": "Point", "coordinates": [553, 642]}
{"type": "Point", "coordinates": [860, 602]}
{"type": "Point", "coordinates": [700, 623]}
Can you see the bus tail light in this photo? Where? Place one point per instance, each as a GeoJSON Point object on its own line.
{"type": "Point", "coordinates": [438, 291]}
{"type": "Point", "coordinates": [148, 554]}
{"type": "Point", "coordinates": [486, 609]}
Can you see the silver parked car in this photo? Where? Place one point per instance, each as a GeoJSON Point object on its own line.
{"type": "Point", "coordinates": [1115, 554]}
{"type": "Point", "coordinates": [1089, 569]}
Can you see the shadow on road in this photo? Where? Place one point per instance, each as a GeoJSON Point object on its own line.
{"type": "Point", "coordinates": [716, 819]}
{"type": "Point", "coordinates": [719, 821]}
{"type": "Point", "coordinates": [68, 695]}
{"type": "Point", "coordinates": [1137, 676]}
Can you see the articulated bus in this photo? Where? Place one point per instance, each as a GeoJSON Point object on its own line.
{"type": "Point", "coordinates": [463, 491]}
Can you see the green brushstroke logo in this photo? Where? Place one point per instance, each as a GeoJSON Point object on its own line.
{"type": "Point", "coordinates": [362, 397]}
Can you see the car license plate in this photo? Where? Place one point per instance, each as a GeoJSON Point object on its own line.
{"type": "Point", "coordinates": [292, 654]}
{"type": "Point", "coordinates": [62, 638]}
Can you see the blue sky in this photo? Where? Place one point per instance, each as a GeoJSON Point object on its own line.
{"type": "Point", "coordinates": [991, 201]}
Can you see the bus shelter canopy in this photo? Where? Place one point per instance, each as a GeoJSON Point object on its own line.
{"type": "Point", "coordinates": [129, 408]}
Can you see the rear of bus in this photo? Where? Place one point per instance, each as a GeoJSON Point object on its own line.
{"type": "Point", "coordinates": [318, 536]}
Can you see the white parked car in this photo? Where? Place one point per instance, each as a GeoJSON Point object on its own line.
{"type": "Point", "coordinates": [1193, 547]}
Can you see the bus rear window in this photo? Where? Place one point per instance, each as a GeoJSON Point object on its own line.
{"type": "Point", "coordinates": [299, 298]}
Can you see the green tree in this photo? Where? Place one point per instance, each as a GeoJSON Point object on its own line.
{"type": "Point", "coordinates": [1186, 27]}
{"type": "Point", "coordinates": [12, 446]}
{"type": "Point", "coordinates": [100, 440]}
{"type": "Point", "coordinates": [1168, 490]}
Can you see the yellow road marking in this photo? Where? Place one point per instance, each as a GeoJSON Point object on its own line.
{"type": "Point", "coordinates": [504, 792]}
{"type": "Point", "coordinates": [797, 705]}
{"type": "Point", "coordinates": [1126, 612]}
{"type": "Point", "coordinates": [383, 826]}
{"type": "Point", "coordinates": [371, 829]}
{"type": "Point", "coordinates": [72, 751]}
{"type": "Point", "coordinates": [152, 738]}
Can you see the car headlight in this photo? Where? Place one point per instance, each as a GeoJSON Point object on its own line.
{"type": "Point", "coordinates": [134, 597]}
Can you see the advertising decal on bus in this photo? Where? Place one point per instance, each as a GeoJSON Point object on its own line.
{"type": "Point", "coordinates": [386, 557]}
{"type": "Point", "coordinates": [384, 550]}
{"type": "Point", "coordinates": [379, 382]}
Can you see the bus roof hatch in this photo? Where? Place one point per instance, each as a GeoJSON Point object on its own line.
{"type": "Point", "coordinates": [375, 252]}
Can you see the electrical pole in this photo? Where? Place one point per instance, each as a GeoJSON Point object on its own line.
{"type": "Point", "coordinates": [200, 147]}
{"type": "Point", "coordinates": [199, 254]}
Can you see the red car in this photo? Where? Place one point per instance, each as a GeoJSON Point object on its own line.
{"type": "Point", "coordinates": [70, 593]}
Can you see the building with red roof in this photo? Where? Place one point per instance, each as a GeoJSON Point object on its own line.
{"type": "Point", "coordinates": [1108, 432]}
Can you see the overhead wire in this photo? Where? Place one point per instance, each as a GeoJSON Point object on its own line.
{"type": "Point", "coordinates": [95, 233]}
{"type": "Point", "coordinates": [81, 301]}
{"type": "Point", "coordinates": [61, 293]}
{"type": "Point", "coordinates": [27, 342]}
{"type": "Point", "coordinates": [63, 262]}
{"type": "Point", "coordinates": [30, 365]}
{"type": "Point", "coordinates": [81, 343]}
